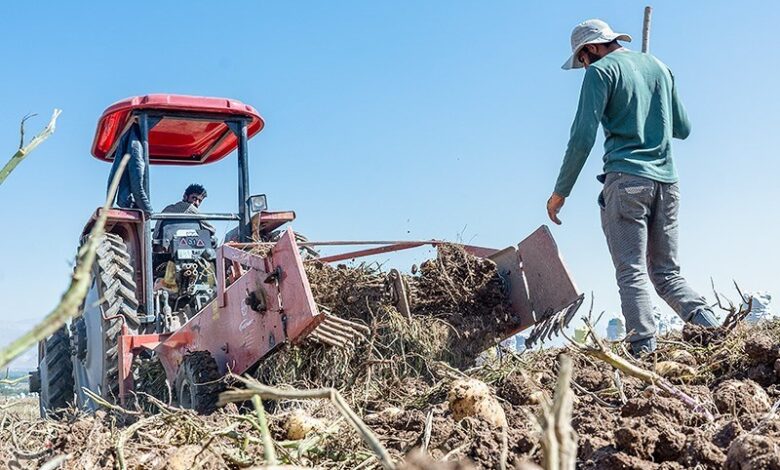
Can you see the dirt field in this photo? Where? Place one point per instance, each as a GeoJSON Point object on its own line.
{"type": "Point", "coordinates": [398, 382]}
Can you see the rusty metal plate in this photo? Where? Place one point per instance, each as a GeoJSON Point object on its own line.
{"type": "Point", "coordinates": [242, 332]}
{"type": "Point", "coordinates": [508, 265]}
{"type": "Point", "coordinates": [295, 297]}
{"type": "Point", "coordinates": [550, 285]}
{"type": "Point", "coordinates": [540, 285]}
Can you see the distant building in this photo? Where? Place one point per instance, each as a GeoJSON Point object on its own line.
{"type": "Point", "coordinates": [665, 324]}
{"type": "Point", "coordinates": [580, 333]}
{"type": "Point", "coordinates": [520, 343]}
{"type": "Point", "coordinates": [616, 329]}
{"type": "Point", "coordinates": [759, 309]}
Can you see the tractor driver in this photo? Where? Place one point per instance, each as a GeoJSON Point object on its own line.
{"type": "Point", "coordinates": [193, 197]}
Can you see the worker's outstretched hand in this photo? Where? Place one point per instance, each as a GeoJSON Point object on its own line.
{"type": "Point", "coordinates": [554, 205]}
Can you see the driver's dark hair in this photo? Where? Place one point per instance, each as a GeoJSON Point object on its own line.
{"type": "Point", "coordinates": [195, 189]}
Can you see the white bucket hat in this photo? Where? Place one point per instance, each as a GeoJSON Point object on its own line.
{"type": "Point", "coordinates": [590, 32]}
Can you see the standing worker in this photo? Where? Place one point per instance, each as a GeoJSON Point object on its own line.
{"type": "Point", "coordinates": [132, 191]}
{"type": "Point", "coordinates": [633, 96]}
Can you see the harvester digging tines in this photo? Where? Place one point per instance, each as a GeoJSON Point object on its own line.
{"type": "Point", "coordinates": [552, 324]}
{"type": "Point", "coordinates": [338, 332]}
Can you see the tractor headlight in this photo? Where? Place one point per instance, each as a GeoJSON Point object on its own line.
{"type": "Point", "coordinates": [257, 203]}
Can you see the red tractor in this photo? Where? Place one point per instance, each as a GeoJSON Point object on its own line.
{"type": "Point", "coordinates": [197, 308]}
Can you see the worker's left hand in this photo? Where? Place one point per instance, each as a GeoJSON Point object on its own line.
{"type": "Point", "coordinates": [554, 205]}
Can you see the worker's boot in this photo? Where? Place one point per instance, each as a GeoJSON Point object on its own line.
{"type": "Point", "coordinates": [643, 346]}
{"type": "Point", "coordinates": [704, 317]}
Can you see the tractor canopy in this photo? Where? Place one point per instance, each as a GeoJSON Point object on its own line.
{"type": "Point", "coordinates": [191, 129]}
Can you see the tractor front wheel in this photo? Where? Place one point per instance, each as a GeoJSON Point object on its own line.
{"type": "Point", "coordinates": [198, 382]}
{"type": "Point", "coordinates": [110, 302]}
{"type": "Point", "coordinates": [54, 376]}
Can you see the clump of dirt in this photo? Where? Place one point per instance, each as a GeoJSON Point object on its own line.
{"type": "Point", "coordinates": [701, 335]}
{"type": "Point", "coordinates": [609, 458]}
{"type": "Point", "coordinates": [763, 374]}
{"type": "Point", "coordinates": [699, 451]}
{"type": "Point", "coordinates": [665, 440]}
{"type": "Point", "coordinates": [739, 398]}
{"type": "Point", "coordinates": [594, 378]}
{"type": "Point", "coordinates": [418, 460]}
{"type": "Point", "coordinates": [753, 452]}
{"type": "Point", "coordinates": [635, 438]}
{"type": "Point", "coordinates": [761, 349]}
{"type": "Point", "coordinates": [595, 427]}
{"type": "Point", "coordinates": [519, 390]}
{"type": "Point", "coordinates": [667, 407]}
{"type": "Point", "coordinates": [726, 434]}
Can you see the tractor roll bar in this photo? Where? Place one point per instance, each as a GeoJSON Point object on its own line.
{"type": "Point", "coordinates": [185, 216]}
{"type": "Point", "coordinates": [147, 119]}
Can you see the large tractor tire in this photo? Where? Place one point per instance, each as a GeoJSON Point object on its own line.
{"type": "Point", "coordinates": [54, 376]}
{"type": "Point", "coordinates": [110, 303]}
{"type": "Point", "coordinates": [198, 382]}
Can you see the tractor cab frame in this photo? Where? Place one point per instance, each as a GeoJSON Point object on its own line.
{"type": "Point", "coordinates": [184, 131]}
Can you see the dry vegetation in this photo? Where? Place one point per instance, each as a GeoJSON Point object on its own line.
{"type": "Point", "coordinates": [414, 387]}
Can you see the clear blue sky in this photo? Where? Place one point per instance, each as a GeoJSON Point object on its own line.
{"type": "Point", "coordinates": [387, 120]}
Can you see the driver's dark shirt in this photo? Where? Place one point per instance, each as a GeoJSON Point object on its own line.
{"type": "Point", "coordinates": [182, 207]}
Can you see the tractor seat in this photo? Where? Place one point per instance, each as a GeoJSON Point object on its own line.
{"type": "Point", "coordinates": [170, 229]}
{"type": "Point", "coordinates": [166, 230]}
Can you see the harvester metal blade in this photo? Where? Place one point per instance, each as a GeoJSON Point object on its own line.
{"type": "Point", "coordinates": [542, 293]}
{"type": "Point", "coordinates": [553, 295]}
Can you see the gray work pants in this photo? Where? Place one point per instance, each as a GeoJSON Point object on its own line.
{"type": "Point", "coordinates": [639, 218]}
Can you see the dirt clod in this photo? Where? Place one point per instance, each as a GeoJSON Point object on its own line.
{"type": "Point", "coordinates": [726, 434]}
{"type": "Point", "coordinates": [740, 397]}
{"type": "Point", "coordinates": [667, 407]}
{"type": "Point", "coordinates": [761, 349]}
{"type": "Point", "coordinates": [700, 451]}
{"type": "Point", "coordinates": [634, 438]}
{"type": "Point", "coordinates": [753, 452]}
{"type": "Point", "coordinates": [762, 374]}
{"type": "Point", "coordinates": [701, 335]}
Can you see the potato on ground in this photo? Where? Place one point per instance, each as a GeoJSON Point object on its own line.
{"type": "Point", "coordinates": [471, 397]}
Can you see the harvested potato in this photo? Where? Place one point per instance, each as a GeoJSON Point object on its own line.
{"type": "Point", "coordinates": [299, 424]}
{"type": "Point", "coordinates": [683, 357]}
{"type": "Point", "coordinates": [674, 370]}
{"type": "Point", "coordinates": [471, 397]}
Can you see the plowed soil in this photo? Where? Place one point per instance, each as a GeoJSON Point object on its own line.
{"type": "Point", "coordinates": [398, 381]}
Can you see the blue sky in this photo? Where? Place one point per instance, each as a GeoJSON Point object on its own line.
{"type": "Point", "coordinates": [389, 120]}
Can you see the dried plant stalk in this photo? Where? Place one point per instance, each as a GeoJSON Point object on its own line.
{"type": "Point", "coordinates": [25, 150]}
{"type": "Point", "coordinates": [559, 440]}
{"type": "Point", "coordinates": [79, 284]}
{"type": "Point", "coordinates": [599, 350]}
{"type": "Point", "coordinates": [255, 388]}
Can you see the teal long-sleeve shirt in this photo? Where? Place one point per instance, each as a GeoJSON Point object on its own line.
{"type": "Point", "coordinates": [633, 96]}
